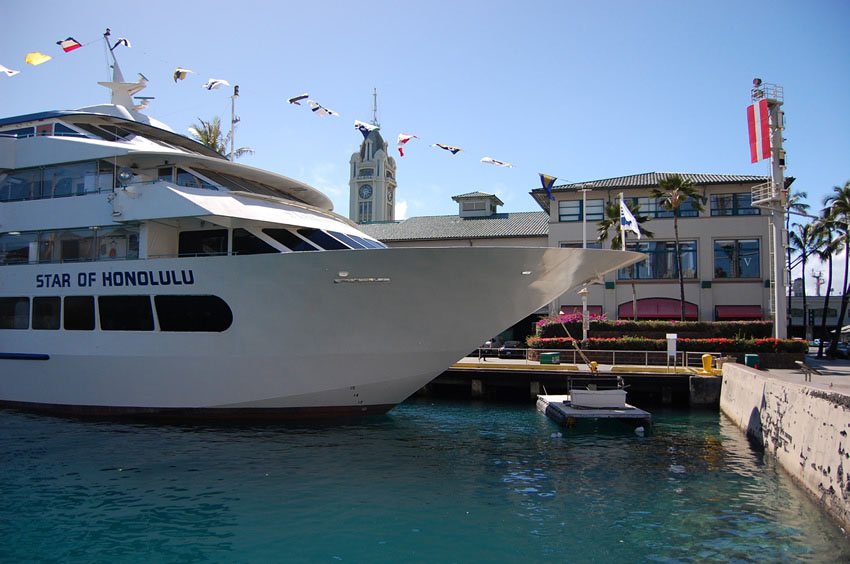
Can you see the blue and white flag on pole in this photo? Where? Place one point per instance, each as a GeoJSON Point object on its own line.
{"type": "Point", "coordinates": [627, 220]}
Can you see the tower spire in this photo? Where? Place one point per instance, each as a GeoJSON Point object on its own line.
{"type": "Point", "coordinates": [375, 107]}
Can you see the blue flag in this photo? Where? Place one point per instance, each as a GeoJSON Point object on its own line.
{"type": "Point", "coordinates": [548, 182]}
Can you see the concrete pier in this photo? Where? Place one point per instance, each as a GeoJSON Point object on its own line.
{"type": "Point", "coordinates": [804, 425]}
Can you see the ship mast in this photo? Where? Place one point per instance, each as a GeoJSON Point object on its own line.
{"type": "Point", "coordinates": [122, 92]}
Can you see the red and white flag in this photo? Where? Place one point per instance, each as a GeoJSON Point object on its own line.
{"type": "Point", "coordinates": [402, 139]}
{"type": "Point", "coordinates": [758, 124]}
{"type": "Point", "coordinates": [69, 44]}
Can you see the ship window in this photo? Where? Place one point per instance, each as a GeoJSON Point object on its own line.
{"type": "Point", "coordinates": [246, 243]}
{"type": "Point", "coordinates": [322, 239]}
{"type": "Point", "coordinates": [15, 249]}
{"type": "Point", "coordinates": [45, 313]}
{"type": "Point", "coordinates": [125, 313]}
{"type": "Point", "coordinates": [165, 174]}
{"type": "Point", "coordinates": [79, 313]}
{"type": "Point", "coordinates": [289, 239]}
{"type": "Point", "coordinates": [208, 242]}
{"type": "Point", "coordinates": [348, 240]}
{"type": "Point", "coordinates": [20, 132]}
{"type": "Point", "coordinates": [369, 242]}
{"type": "Point", "coordinates": [193, 313]}
{"type": "Point", "coordinates": [63, 130]}
{"type": "Point", "coordinates": [20, 185]}
{"type": "Point", "coordinates": [14, 313]}
{"type": "Point", "coordinates": [186, 178]}
{"type": "Point", "coordinates": [70, 180]}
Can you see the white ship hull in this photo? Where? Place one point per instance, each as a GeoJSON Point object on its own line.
{"type": "Point", "coordinates": [323, 333]}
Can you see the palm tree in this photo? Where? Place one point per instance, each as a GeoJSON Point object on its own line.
{"type": "Point", "coordinates": [801, 239]}
{"type": "Point", "coordinates": [612, 220]}
{"type": "Point", "coordinates": [795, 206]}
{"type": "Point", "coordinates": [824, 248]}
{"type": "Point", "coordinates": [672, 193]}
{"type": "Point", "coordinates": [839, 212]}
{"type": "Point", "coordinates": [209, 133]}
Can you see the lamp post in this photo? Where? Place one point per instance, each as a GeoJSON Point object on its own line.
{"type": "Point", "coordinates": [584, 217]}
{"type": "Point", "coordinates": [585, 321]}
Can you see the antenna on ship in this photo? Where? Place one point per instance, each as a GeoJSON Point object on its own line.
{"type": "Point", "coordinates": [122, 92]}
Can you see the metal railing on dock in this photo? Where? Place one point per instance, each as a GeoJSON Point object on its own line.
{"type": "Point", "coordinates": [689, 359]}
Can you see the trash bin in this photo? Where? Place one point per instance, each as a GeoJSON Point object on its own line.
{"type": "Point", "coordinates": [706, 362]}
{"type": "Point", "coordinates": [550, 358]}
{"type": "Point", "coordinates": [751, 360]}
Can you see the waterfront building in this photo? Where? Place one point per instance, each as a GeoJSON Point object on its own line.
{"type": "Point", "coordinates": [726, 247]}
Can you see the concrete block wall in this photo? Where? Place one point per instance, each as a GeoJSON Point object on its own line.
{"type": "Point", "coordinates": [804, 428]}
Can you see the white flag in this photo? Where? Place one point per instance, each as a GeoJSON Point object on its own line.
{"type": "Point", "coordinates": [627, 220]}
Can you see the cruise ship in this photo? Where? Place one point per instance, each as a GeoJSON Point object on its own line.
{"type": "Point", "coordinates": [143, 274]}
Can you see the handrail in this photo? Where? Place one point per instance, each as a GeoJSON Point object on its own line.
{"type": "Point", "coordinates": [571, 356]}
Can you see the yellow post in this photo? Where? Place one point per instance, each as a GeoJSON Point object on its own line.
{"type": "Point", "coordinates": [706, 362]}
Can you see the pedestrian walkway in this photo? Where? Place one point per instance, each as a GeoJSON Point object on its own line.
{"type": "Point", "coordinates": [833, 374]}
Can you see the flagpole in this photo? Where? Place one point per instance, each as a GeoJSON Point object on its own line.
{"type": "Point", "coordinates": [233, 120]}
{"type": "Point", "coordinates": [622, 227]}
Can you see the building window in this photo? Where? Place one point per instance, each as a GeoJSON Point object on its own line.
{"type": "Point", "coordinates": [733, 204]}
{"type": "Point", "coordinates": [366, 173]}
{"type": "Point", "coordinates": [473, 206]}
{"type": "Point", "coordinates": [595, 210]}
{"type": "Point", "coordinates": [736, 258]}
{"type": "Point", "coordinates": [651, 207]}
{"type": "Point", "coordinates": [569, 210]}
{"type": "Point", "coordinates": [661, 264]}
{"type": "Point", "coordinates": [364, 212]}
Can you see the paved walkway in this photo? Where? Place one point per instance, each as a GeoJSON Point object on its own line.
{"type": "Point", "coordinates": [834, 374]}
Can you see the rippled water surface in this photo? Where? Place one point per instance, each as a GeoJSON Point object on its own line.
{"type": "Point", "coordinates": [430, 482]}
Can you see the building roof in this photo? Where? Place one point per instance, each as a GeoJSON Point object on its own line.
{"type": "Point", "coordinates": [649, 180]}
{"type": "Point", "coordinates": [478, 196]}
{"type": "Point", "coordinates": [446, 227]}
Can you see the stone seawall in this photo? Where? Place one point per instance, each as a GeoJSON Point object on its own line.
{"type": "Point", "coordinates": [803, 427]}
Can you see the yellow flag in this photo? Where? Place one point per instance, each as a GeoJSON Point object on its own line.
{"type": "Point", "coordinates": [36, 58]}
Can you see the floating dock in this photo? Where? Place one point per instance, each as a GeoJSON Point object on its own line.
{"type": "Point", "coordinates": [559, 409]}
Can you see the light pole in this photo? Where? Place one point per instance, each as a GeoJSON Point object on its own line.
{"type": "Point", "coordinates": [585, 321]}
{"type": "Point", "coordinates": [584, 217]}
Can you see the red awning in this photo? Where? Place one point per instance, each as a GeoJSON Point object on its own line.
{"type": "Point", "coordinates": [737, 312]}
{"type": "Point", "coordinates": [591, 309]}
{"type": "Point", "coordinates": [659, 308]}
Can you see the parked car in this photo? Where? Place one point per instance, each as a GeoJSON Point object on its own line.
{"type": "Point", "coordinates": [490, 348]}
{"type": "Point", "coordinates": [512, 349]}
{"type": "Point", "coordinates": [842, 350]}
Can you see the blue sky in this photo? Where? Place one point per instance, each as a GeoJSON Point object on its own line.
{"type": "Point", "coordinates": [580, 90]}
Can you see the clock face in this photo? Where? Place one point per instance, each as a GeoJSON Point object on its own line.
{"type": "Point", "coordinates": [365, 192]}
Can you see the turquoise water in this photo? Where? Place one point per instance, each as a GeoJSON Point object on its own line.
{"type": "Point", "coordinates": [430, 482]}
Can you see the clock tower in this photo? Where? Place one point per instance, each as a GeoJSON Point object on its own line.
{"type": "Point", "coordinates": [372, 185]}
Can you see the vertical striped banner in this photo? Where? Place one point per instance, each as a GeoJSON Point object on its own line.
{"type": "Point", "coordinates": [758, 124]}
